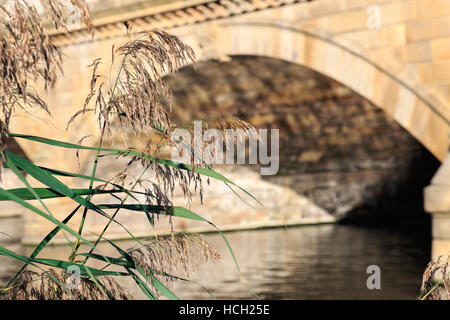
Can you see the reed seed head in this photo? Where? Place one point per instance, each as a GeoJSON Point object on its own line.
{"type": "Point", "coordinates": [436, 279]}
{"type": "Point", "coordinates": [175, 256]}
{"type": "Point", "coordinates": [28, 56]}
{"type": "Point", "coordinates": [51, 285]}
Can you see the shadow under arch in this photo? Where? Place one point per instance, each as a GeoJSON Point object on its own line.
{"type": "Point", "coordinates": [417, 112]}
{"type": "Point", "coordinates": [336, 147]}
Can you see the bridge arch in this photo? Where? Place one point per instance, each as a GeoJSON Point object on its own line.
{"type": "Point", "coordinates": [276, 29]}
{"type": "Point", "coordinates": [413, 110]}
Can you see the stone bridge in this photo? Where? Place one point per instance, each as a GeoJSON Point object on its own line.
{"type": "Point", "coordinates": [397, 74]}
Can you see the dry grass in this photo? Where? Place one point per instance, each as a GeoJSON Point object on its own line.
{"type": "Point", "coordinates": [27, 55]}
{"type": "Point", "coordinates": [436, 279]}
{"type": "Point", "coordinates": [179, 256]}
{"type": "Point", "coordinates": [46, 286]}
{"type": "Point", "coordinates": [136, 100]}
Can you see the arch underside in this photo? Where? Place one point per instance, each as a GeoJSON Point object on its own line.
{"type": "Point", "coordinates": [335, 148]}
{"type": "Point", "coordinates": [411, 109]}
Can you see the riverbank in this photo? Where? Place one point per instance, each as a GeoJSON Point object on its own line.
{"type": "Point", "coordinates": [203, 230]}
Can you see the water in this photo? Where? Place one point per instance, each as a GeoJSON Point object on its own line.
{"type": "Point", "coordinates": [315, 262]}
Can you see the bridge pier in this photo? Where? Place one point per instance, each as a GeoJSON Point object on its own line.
{"type": "Point", "coordinates": [437, 203]}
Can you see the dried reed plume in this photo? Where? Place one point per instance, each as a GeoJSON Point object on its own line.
{"type": "Point", "coordinates": [137, 100]}
{"type": "Point", "coordinates": [27, 55]}
{"type": "Point", "coordinates": [177, 256]}
{"type": "Point", "coordinates": [31, 285]}
{"type": "Point", "coordinates": [436, 279]}
{"type": "Point", "coordinates": [241, 131]}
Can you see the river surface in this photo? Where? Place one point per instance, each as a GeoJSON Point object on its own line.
{"type": "Point", "coordinates": [310, 262]}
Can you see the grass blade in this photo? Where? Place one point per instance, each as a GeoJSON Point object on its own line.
{"type": "Point", "coordinates": [209, 172]}
{"type": "Point", "coordinates": [176, 211]}
{"type": "Point", "coordinates": [59, 187]}
{"type": "Point", "coordinates": [25, 204]}
{"type": "Point", "coordinates": [162, 288]}
{"type": "Point", "coordinates": [44, 242]}
{"type": "Point", "coordinates": [47, 193]}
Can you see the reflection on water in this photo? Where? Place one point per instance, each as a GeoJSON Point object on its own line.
{"type": "Point", "coordinates": [316, 262]}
